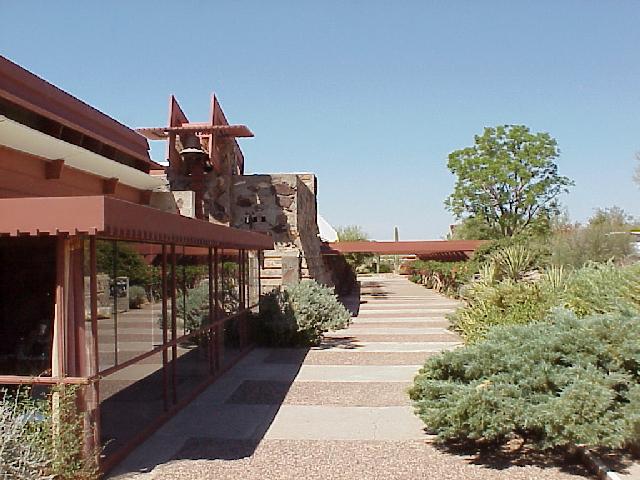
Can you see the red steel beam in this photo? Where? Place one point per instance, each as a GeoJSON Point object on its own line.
{"type": "Point", "coordinates": [402, 248]}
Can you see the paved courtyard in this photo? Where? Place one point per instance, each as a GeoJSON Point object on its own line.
{"type": "Point", "coordinates": [338, 411]}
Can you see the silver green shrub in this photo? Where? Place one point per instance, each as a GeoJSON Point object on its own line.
{"type": "Point", "coordinates": [32, 447]}
{"type": "Point", "coordinates": [22, 438]}
{"type": "Point", "coordinates": [300, 314]}
{"type": "Point", "coordinates": [571, 381]}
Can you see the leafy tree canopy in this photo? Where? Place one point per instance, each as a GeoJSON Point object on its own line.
{"type": "Point", "coordinates": [508, 180]}
{"type": "Point", "coordinates": [351, 233]}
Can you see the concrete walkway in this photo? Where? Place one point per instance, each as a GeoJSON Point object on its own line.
{"type": "Point", "coordinates": [338, 411]}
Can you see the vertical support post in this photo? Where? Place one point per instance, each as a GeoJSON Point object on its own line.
{"type": "Point", "coordinates": [224, 311]}
{"type": "Point", "coordinates": [247, 285]}
{"type": "Point", "coordinates": [259, 274]}
{"type": "Point", "coordinates": [241, 319]}
{"type": "Point", "coordinates": [165, 314]}
{"type": "Point", "coordinates": [114, 272]}
{"type": "Point", "coordinates": [216, 310]}
{"type": "Point", "coordinates": [174, 327]}
{"type": "Point", "coordinates": [93, 288]}
{"type": "Point", "coordinates": [59, 353]}
{"type": "Point", "coordinates": [209, 332]}
{"type": "Point", "coordinates": [239, 278]}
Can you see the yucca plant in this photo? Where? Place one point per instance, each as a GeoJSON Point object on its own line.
{"type": "Point", "coordinates": [555, 278]}
{"type": "Point", "coordinates": [512, 262]}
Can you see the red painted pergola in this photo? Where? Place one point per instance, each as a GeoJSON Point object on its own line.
{"type": "Point", "coordinates": [447, 250]}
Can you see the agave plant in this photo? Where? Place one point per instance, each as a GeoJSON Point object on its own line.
{"type": "Point", "coordinates": [513, 262]}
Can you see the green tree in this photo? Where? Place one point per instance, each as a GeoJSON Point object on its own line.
{"type": "Point", "coordinates": [474, 228]}
{"type": "Point", "coordinates": [354, 233]}
{"type": "Point", "coordinates": [507, 180]}
{"type": "Point", "coordinates": [126, 261]}
{"type": "Point", "coordinates": [351, 233]}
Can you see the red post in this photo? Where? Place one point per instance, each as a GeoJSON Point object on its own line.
{"type": "Point", "coordinates": [165, 313]}
{"type": "Point", "coordinates": [174, 327]}
{"type": "Point", "coordinates": [216, 310]}
{"type": "Point", "coordinates": [209, 332]}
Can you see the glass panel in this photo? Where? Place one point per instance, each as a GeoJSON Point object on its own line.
{"type": "Point", "coordinates": [230, 285]}
{"type": "Point", "coordinates": [193, 353]}
{"type": "Point", "coordinates": [27, 283]}
{"type": "Point", "coordinates": [231, 294]}
{"type": "Point", "coordinates": [130, 400]}
{"type": "Point", "coordinates": [129, 300]}
{"type": "Point", "coordinates": [106, 292]}
{"type": "Point", "coordinates": [255, 279]}
{"type": "Point", "coordinates": [139, 299]}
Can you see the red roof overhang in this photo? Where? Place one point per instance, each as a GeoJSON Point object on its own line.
{"type": "Point", "coordinates": [422, 248]}
{"type": "Point", "coordinates": [110, 217]}
{"type": "Point", "coordinates": [35, 94]}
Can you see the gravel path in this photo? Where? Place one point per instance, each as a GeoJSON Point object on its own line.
{"type": "Point", "coordinates": [329, 413]}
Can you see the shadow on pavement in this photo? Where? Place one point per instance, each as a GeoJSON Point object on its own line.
{"type": "Point", "coordinates": [497, 458]}
{"type": "Point", "coordinates": [228, 420]}
{"type": "Point", "coordinates": [352, 300]}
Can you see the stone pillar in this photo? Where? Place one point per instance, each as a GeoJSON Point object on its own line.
{"type": "Point", "coordinates": [290, 269]}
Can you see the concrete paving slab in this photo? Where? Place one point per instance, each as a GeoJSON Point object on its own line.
{"type": "Point", "coordinates": [392, 347]}
{"type": "Point", "coordinates": [298, 422]}
{"type": "Point", "coordinates": [346, 394]}
{"type": "Point", "coordinates": [394, 311]}
{"type": "Point", "coordinates": [354, 357]}
{"type": "Point", "coordinates": [223, 421]}
{"type": "Point", "coordinates": [359, 373]}
{"type": "Point", "coordinates": [383, 329]}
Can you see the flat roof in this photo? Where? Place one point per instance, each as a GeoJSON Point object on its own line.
{"type": "Point", "coordinates": [21, 87]}
{"type": "Point", "coordinates": [118, 219]}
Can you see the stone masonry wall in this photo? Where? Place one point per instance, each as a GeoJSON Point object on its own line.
{"type": "Point", "coordinates": [283, 205]}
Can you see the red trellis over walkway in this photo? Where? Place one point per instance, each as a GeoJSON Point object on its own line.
{"type": "Point", "coordinates": [428, 250]}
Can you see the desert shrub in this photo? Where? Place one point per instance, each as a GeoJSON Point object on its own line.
{"type": "Point", "coordinates": [504, 303]}
{"type": "Point", "coordinates": [299, 315]}
{"type": "Point", "coordinates": [577, 246]}
{"type": "Point", "coordinates": [595, 288]}
{"type": "Point", "coordinates": [444, 277]}
{"type": "Point", "coordinates": [605, 237]}
{"type": "Point", "coordinates": [21, 441]}
{"type": "Point", "coordinates": [193, 307]}
{"type": "Point", "coordinates": [385, 268]}
{"type": "Point", "coordinates": [553, 384]}
{"type": "Point", "coordinates": [601, 288]}
{"type": "Point", "coordinates": [38, 441]}
{"type": "Point", "coordinates": [536, 246]}
{"type": "Point", "coordinates": [137, 296]}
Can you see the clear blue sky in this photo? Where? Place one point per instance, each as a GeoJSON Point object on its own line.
{"type": "Point", "coordinates": [370, 95]}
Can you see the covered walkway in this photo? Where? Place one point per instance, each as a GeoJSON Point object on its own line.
{"type": "Point", "coordinates": [444, 250]}
{"type": "Point", "coordinates": [338, 411]}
